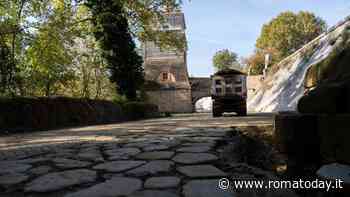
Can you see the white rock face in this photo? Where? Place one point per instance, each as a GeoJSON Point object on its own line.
{"type": "Point", "coordinates": [282, 90]}
{"type": "Point", "coordinates": [204, 105]}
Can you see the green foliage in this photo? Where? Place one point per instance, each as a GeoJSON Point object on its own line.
{"type": "Point", "coordinates": [116, 23]}
{"type": "Point", "coordinates": [138, 110]}
{"type": "Point", "coordinates": [91, 73]}
{"type": "Point", "coordinates": [49, 55]}
{"type": "Point", "coordinates": [118, 46]}
{"type": "Point", "coordinates": [284, 35]}
{"type": "Point", "coordinates": [16, 29]}
{"type": "Point", "coordinates": [49, 47]}
{"type": "Point", "coordinates": [288, 32]}
{"type": "Point", "coordinates": [256, 63]}
{"type": "Point", "coordinates": [6, 68]}
{"type": "Point", "coordinates": [225, 59]}
{"type": "Point", "coordinates": [120, 99]}
{"type": "Point", "coordinates": [143, 17]}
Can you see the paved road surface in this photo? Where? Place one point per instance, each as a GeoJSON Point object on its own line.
{"type": "Point", "coordinates": [167, 157]}
{"type": "Point", "coordinates": [113, 132]}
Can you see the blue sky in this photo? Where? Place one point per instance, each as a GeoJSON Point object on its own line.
{"type": "Point", "coordinates": [235, 25]}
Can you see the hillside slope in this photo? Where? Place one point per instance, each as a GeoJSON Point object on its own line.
{"type": "Point", "coordinates": [284, 84]}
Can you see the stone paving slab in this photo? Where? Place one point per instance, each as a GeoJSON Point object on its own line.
{"type": "Point", "coordinates": [40, 170]}
{"type": "Point", "coordinates": [205, 188]}
{"type": "Point", "coordinates": [12, 179]}
{"type": "Point", "coordinates": [118, 186]}
{"type": "Point", "coordinates": [152, 168]}
{"type": "Point", "coordinates": [141, 144]}
{"type": "Point", "coordinates": [201, 171]}
{"type": "Point", "coordinates": [11, 167]}
{"type": "Point", "coordinates": [153, 193]}
{"type": "Point", "coordinates": [121, 153]}
{"type": "Point", "coordinates": [60, 180]}
{"type": "Point", "coordinates": [194, 149]}
{"type": "Point", "coordinates": [194, 158]}
{"type": "Point", "coordinates": [162, 182]}
{"type": "Point", "coordinates": [156, 148]}
{"type": "Point", "coordinates": [138, 161]}
{"type": "Point", "coordinates": [32, 160]}
{"type": "Point", "coordinates": [70, 163]}
{"type": "Point", "coordinates": [157, 155]}
{"type": "Point", "coordinates": [210, 144]}
{"type": "Point", "coordinates": [119, 166]}
{"type": "Point", "coordinates": [93, 156]}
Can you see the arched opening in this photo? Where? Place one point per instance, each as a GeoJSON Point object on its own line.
{"type": "Point", "coordinates": [204, 105]}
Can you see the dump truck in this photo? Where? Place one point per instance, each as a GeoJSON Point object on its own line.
{"type": "Point", "coordinates": [229, 92]}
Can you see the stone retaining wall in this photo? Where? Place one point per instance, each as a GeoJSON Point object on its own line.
{"type": "Point", "coordinates": [176, 100]}
{"type": "Point", "coordinates": [312, 140]}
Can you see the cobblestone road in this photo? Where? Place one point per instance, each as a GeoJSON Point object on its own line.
{"type": "Point", "coordinates": [168, 157]}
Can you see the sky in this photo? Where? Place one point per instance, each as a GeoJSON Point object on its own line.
{"type": "Point", "coordinates": [236, 24]}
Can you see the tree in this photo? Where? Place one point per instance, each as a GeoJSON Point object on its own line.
{"type": "Point", "coordinates": [118, 46]}
{"type": "Point", "coordinates": [256, 62]}
{"type": "Point", "coordinates": [117, 23]}
{"type": "Point", "coordinates": [40, 54]}
{"type": "Point", "coordinates": [284, 35]}
{"type": "Point", "coordinates": [225, 59]}
{"type": "Point", "coordinates": [288, 32]}
{"type": "Point", "coordinates": [49, 55]}
{"type": "Point", "coordinates": [6, 68]}
{"type": "Point", "coordinates": [14, 34]}
{"type": "Point", "coordinates": [91, 73]}
{"type": "Point", "coordinates": [143, 16]}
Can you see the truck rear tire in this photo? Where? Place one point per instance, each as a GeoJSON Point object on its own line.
{"type": "Point", "coordinates": [216, 113]}
{"type": "Point", "coordinates": [242, 112]}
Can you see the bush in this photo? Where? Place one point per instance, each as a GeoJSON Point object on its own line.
{"type": "Point", "coordinates": [121, 100]}
{"type": "Point", "coordinates": [138, 110]}
{"type": "Point", "coordinates": [23, 114]}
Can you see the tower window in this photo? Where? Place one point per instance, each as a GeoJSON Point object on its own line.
{"type": "Point", "coordinates": [165, 76]}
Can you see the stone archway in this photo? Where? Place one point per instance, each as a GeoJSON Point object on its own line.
{"type": "Point", "coordinates": [200, 88]}
{"type": "Point", "coordinates": [203, 104]}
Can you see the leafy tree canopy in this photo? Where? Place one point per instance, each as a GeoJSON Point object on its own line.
{"type": "Point", "coordinates": [289, 31]}
{"type": "Point", "coordinates": [283, 35]}
{"type": "Point", "coordinates": [42, 41]}
{"type": "Point", "coordinates": [111, 30]}
{"type": "Point", "coordinates": [225, 59]}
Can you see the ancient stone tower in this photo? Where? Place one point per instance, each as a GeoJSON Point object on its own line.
{"type": "Point", "coordinates": [166, 72]}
